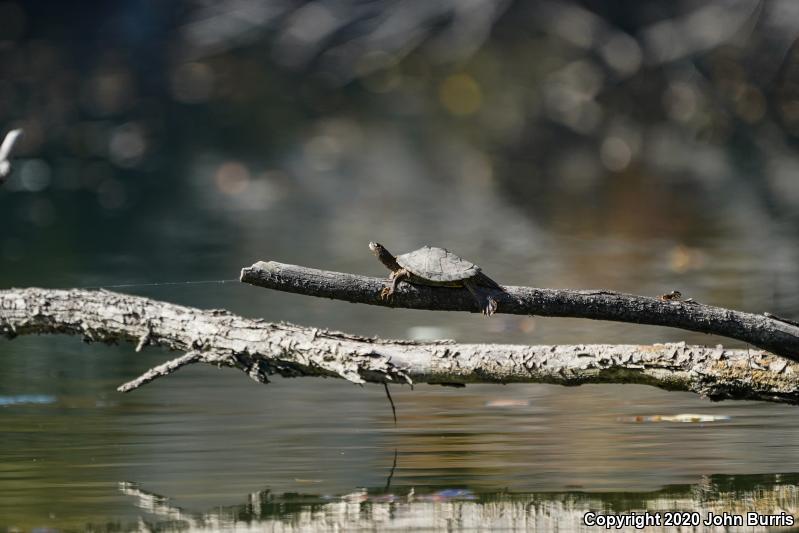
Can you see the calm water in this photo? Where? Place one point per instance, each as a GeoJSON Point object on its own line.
{"type": "Point", "coordinates": [208, 448]}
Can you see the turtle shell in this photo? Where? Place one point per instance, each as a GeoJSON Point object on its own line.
{"type": "Point", "coordinates": [437, 264]}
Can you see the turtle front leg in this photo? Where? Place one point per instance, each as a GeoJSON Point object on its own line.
{"type": "Point", "coordinates": [394, 278]}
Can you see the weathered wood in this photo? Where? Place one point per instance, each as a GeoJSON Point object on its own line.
{"type": "Point", "coordinates": [261, 348]}
{"type": "Point", "coordinates": [768, 332]}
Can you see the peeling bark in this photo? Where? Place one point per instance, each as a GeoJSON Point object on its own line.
{"type": "Point", "coordinates": [261, 348]}
{"type": "Point", "coordinates": [769, 332]}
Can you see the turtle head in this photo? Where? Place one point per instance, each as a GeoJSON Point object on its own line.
{"type": "Point", "coordinates": [384, 255]}
{"type": "Point", "coordinates": [376, 248]}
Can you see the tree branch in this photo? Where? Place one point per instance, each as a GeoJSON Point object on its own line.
{"type": "Point", "coordinates": [769, 332]}
{"type": "Point", "coordinates": [260, 348]}
{"type": "Point", "coordinates": [173, 365]}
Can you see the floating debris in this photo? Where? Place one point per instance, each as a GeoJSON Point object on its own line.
{"type": "Point", "coordinates": [682, 418]}
{"type": "Point", "coordinates": [507, 402]}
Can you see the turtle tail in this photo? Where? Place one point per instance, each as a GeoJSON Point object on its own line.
{"type": "Point", "coordinates": [485, 281]}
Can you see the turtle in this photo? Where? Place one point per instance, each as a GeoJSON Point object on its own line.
{"type": "Point", "coordinates": [438, 267]}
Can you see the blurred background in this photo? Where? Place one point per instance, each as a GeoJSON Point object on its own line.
{"type": "Point", "coordinates": [635, 146]}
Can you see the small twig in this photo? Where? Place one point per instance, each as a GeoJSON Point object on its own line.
{"type": "Point", "coordinates": [393, 409]}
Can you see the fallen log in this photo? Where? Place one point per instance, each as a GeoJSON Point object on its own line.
{"type": "Point", "coordinates": [260, 349]}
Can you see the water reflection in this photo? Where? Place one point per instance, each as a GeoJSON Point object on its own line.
{"type": "Point", "coordinates": [205, 437]}
{"type": "Point", "coordinates": [462, 510]}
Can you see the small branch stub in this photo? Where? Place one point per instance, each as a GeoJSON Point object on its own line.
{"type": "Point", "coordinates": [161, 370]}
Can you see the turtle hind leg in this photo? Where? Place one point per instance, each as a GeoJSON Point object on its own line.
{"type": "Point", "coordinates": [491, 305]}
{"type": "Point", "coordinates": [485, 301]}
